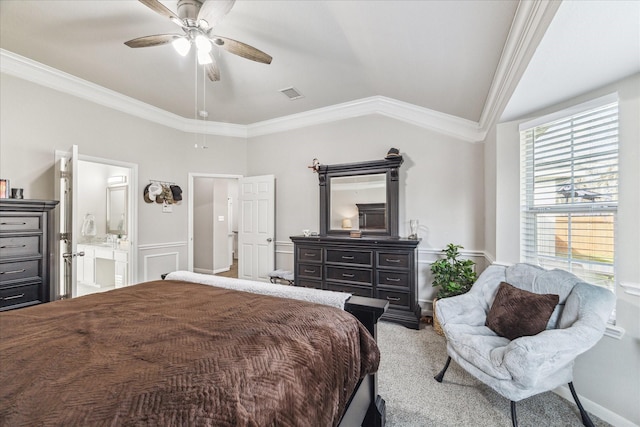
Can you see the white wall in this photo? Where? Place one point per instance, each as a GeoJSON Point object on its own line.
{"type": "Point", "coordinates": [220, 227]}
{"type": "Point", "coordinates": [608, 374]}
{"type": "Point", "coordinates": [442, 185]}
{"type": "Point", "coordinates": [441, 182]}
{"type": "Point", "coordinates": [35, 121]}
{"type": "Point", "coordinates": [203, 225]}
{"type": "Point", "coordinates": [92, 193]}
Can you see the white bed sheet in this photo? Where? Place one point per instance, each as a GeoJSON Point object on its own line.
{"type": "Point", "coordinates": [330, 298]}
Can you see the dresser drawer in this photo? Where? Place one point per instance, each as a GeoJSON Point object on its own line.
{"type": "Point", "coordinates": [306, 254]}
{"type": "Point", "coordinates": [393, 278]}
{"type": "Point", "coordinates": [309, 283]}
{"type": "Point", "coordinates": [19, 246]}
{"type": "Point", "coordinates": [350, 257]}
{"type": "Point", "coordinates": [20, 223]}
{"type": "Point", "coordinates": [310, 270]}
{"type": "Point", "coordinates": [349, 275]}
{"type": "Point", "coordinates": [397, 299]}
{"type": "Point", "coordinates": [397, 260]}
{"type": "Point", "coordinates": [20, 295]}
{"type": "Point", "coordinates": [19, 270]}
{"type": "Point", "coordinates": [361, 291]}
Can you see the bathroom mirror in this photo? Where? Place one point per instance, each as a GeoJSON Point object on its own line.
{"type": "Point", "coordinates": [360, 196]}
{"type": "Point", "coordinates": [117, 209]}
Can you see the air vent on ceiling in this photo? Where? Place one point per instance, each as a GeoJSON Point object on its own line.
{"type": "Point", "coordinates": [292, 93]}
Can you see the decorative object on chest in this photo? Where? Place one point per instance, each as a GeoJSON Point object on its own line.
{"type": "Point", "coordinates": [27, 267]}
{"type": "Point", "coordinates": [358, 250]}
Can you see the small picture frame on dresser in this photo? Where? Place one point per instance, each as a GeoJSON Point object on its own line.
{"type": "Point", "coordinates": [5, 189]}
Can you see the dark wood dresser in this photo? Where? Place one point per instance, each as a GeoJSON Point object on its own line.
{"type": "Point", "coordinates": [27, 264]}
{"type": "Point", "coordinates": [375, 267]}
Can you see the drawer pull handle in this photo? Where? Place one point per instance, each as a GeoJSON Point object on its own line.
{"type": "Point", "coordinates": [348, 275]}
{"type": "Point", "coordinates": [13, 271]}
{"type": "Point", "coordinates": [392, 260]}
{"type": "Point", "coordinates": [13, 297]}
{"type": "Point", "coordinates": [13, 223]}
{"type": "Point", "coordinates": [391, 279]}
{"type": "Point", "coordinates": [12, 246]}
{"type": "Point", "coordinates": [393, 298]}
{"type": "Point", "coordinates": [346, 257]}
{"type": "Point", "coordinates": [310, 254]}
{"type": "Point", "coordinates": [309, 271]}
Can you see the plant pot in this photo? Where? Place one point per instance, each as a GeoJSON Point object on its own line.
{"type": "Point", "coordinates": [436, 323]}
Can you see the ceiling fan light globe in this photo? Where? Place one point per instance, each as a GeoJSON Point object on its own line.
{"type": "Point", "coordinates": [204, 58]}
{"type": "Point", "coordinates": [203, 24]}
{"type": "Point", "coordinates": [203, 44]}
{"type": "Point", "coordinates": [182, 46]}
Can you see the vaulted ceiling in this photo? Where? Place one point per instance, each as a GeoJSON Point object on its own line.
{"type": "Point", "coordinates": [446, 57]}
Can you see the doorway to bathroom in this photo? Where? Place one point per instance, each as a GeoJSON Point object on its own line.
{"type": "Point", "coordinates": [98, 223]}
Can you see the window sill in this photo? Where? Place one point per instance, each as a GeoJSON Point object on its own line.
{"type": "Point", "coordinates": [631, 288]}
{"type": "Point", "coordinates": [614, 331]}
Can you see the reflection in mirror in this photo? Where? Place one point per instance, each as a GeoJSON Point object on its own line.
{"type": "Point", "coordinates": [355, 202]}
{"type": "Point", "coordinates": [117, 209]}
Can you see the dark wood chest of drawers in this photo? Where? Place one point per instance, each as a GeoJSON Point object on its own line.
{"type": "Point", "coordinates": [384, 268]}
{"type": "Point", "coordinates": [27, 267]}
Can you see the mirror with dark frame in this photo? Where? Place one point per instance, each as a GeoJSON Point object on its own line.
{"type": "Point", "coordinates": [360, 196]}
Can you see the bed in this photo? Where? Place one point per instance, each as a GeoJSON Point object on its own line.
{"type": "Point", "coordinates": [177, 352]}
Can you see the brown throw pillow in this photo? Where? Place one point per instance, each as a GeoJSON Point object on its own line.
{"type": "Point", "coordinates": [518, 313]}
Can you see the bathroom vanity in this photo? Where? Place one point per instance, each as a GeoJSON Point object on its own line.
{"type": "Point", "coordinates": [103, 266]}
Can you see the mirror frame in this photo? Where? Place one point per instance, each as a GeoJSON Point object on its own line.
{"type": "Point", "coordinates": [388, 166]}
{"type": "Point", "coordinates": [125, 189]}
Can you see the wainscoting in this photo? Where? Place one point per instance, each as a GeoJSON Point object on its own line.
{"type": "Point", "coordinates": [160, 258]}
{"type": "Point", "coordinates": [426, 256]}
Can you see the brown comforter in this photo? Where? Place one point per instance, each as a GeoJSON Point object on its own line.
{"type": "Point", "coordinates": [178, 353]}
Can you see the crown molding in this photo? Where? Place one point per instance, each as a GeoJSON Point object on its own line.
{"type": "Point", "coordinates": [27, 69]}
{"type": "Point", "coordinates": [36, 72]}
{"type": "Point", "coordinates": [529, 25]}
{"type": "Point", "coordinates": [403, 111]}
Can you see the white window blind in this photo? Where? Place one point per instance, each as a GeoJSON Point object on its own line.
{"type": "Point", "coordinates": [569, 192]}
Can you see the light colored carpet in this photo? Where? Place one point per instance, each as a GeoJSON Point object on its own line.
{"type": "Point", "coordinates": [410, 359]}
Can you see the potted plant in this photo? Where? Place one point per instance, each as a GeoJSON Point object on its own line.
{"type": "Point", "coordinates": [452, 276]}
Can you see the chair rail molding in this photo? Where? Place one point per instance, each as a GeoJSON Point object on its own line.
{"type": "Point", "coordinates": [631, 288]}
{"type": "Point", "coordinates": [152, 246]}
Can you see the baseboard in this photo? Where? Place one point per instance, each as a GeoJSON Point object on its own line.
{"type": "Point", "coordinates": [595, 409]}
{"type": "Point", "coordinates": [203, 271]}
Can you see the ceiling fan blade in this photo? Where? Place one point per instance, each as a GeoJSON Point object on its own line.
{"type": "Point", "coordinates": [158, 7]}
{"type": "Point", "coordinates": [241, 49]}
{"type": "Point", "coordinates": [213, 72]}
{"type": "Point", "coordinates": [213, 11]}
{"type": "Point", "coordinates": [156, 40]}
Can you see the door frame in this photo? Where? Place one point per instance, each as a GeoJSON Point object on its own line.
{"type": "Point", "coordinates": [132, 272]}
{"type": "Point", "coordinates": [192, 177]}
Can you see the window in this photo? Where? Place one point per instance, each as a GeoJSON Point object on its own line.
{"type": "Point", "coordinates": [569, 190]}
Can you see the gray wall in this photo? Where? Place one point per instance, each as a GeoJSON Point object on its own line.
{"type": "Point", "coordinates": [35, 121]}
{"type": "Point", "coordinates": [609, 374]}
{"type": "Point", "coordinates": [443, 185]}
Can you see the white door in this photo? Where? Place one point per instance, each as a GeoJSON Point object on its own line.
{"type": "Point", "coordinates": [66, 183]}
{"type": "Point", "coordinates": [256, 227]}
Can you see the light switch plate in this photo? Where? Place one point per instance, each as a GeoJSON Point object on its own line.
{"type": "Point", "coordinates": [167, 208]}
{"type": "Point", "coordinates": [220, 218]}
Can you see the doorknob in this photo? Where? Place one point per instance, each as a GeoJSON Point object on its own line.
{"type": "Point", "coordinates": [269, 240]}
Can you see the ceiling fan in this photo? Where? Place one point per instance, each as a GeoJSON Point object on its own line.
{"type": "Point", "coordinates": [197, 18]}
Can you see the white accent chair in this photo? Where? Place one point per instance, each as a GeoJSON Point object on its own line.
{"type": "Point", "coordinates": [530, 364]}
